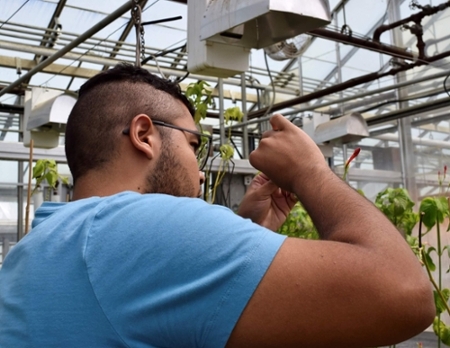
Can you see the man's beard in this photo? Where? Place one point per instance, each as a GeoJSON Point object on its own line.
{"type": "Point", "coordinates": [169, 176]}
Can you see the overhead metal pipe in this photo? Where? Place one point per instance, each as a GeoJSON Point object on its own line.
{"type": "Point", "coordinates": [348, 84]}
{"type": "Point", "coordinates": [330, 90]}
{"type": "Point", "coordinates": [416, 18]}
{"type": "Point", "coordinates": [363, 43]}
{"type": "Point", "coordinates": [362, 95]}
{"type": "Point", "coordinates": [96, 28]}
{"type": "Point", "coordinates": [395, 115]}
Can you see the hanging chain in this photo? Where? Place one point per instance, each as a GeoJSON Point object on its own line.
{"type": "Point", "coordinates": [136, 14]}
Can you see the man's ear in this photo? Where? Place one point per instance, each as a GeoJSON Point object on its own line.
{"type": "Point", "coordinates": [144, 136]}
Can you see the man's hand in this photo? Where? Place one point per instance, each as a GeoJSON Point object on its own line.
{"type": "Point", "coordinates": [266, 204]}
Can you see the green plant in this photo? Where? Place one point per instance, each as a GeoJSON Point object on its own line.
{"type": "Point", "coordinates": [299, 224]}
{"type": "Point", "coordinates": [397, 206]}
{"type": "Point", "coordinates": [200, 95]}
{"type": "Point", "coordinates": [226, 152]}
{"type": "Point", "coordinates": [46, 169]}
{"type": "Point", "coordinates": [433, 212]}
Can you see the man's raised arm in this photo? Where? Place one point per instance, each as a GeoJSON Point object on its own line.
{"type": "Point", "coordinates": [360, 286]}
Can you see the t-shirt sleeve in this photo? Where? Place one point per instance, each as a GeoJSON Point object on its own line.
{"type": "Point", "coordinates": [175, 272]}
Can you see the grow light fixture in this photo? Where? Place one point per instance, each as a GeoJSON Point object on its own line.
{"type": "Point", "coordinates": [222, 32]}
{"type": "Point", "coordinates": [45, 114]}
{"type": "Point", "coordinates": [342, 130]}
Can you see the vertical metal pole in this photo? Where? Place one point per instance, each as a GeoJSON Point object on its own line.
{"type": "Point", "coordinates": [341, 94]}
{"type": "Point", "coordinates": [221, 112]}
{"type": "Point", "coordinates": [6, 247]}
{"type": "Point", "coordinates": [20, 201]}
{"type": "Point", "coordinates": [244, 111]}
{"type": "Point", "coordinates": [300, 76]}
{"type": "Point", "coordinates": [404, 124]}
{"type": "Point", "coordinates": [20, 174]}
{"type": "Point", "coordinates": [339, 68]}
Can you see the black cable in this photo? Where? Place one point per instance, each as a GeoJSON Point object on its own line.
{"type": "Point", "coordinates": [445, 84]}
{"type": "Point", "coordinates": [161, 54]}
{"type": "Point", "coordinates": [181, 79]}
{"type": "Point", "coordinates": [162, 20]}
{"type": "Point", "coordinates": [14, 13]}
{"type": "Point", "coordinates": [237, 150]}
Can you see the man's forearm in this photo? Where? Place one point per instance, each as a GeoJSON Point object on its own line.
{"type": "Point", "coordinates": [338, 211]}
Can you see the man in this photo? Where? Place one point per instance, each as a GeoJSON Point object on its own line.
{"type": "Point", "coordinates": [136, 260]}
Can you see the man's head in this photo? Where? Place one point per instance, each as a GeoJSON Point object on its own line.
{"type": "Point", "coordinates": [127, 97]}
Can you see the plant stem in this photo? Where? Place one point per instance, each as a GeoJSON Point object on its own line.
{"type": "Point", "coordinates": [434, 282]}
{"type": "Point", "coordinates": [439, 269]}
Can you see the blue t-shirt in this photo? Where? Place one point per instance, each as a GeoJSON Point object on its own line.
{"type": "Point", "coordinates": [131, 270]}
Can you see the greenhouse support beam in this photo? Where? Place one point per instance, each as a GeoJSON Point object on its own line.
{"type": "Point", "coordinates": [245, 146]}
{"type": "Point", "coordinates": [353, 97]}
{"type": "Point", "coordinates": [363, 43]}
{"type": "Point", "coordinates": [96, 28]}
{"type": "Point", "coordinates": [413, 110]}
{"type": "Point", "coordinates": [407, 158]}
{"type": "Point", "coordinates": [348, 84]}
{"type": "Point", "coordinates": [13, 46]}
{"type": "Point", "coordinates": [51, 33]}
{"type": "Point", "coordinates": [221, 112]}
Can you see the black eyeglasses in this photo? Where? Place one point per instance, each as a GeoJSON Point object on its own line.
{"type": "Point", "coordinates": [201, 150]}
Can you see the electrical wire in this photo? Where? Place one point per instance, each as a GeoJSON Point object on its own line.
{"type": "Point", "coordinates": [272, 84]}
{"type": "Point", "coordinates": [181, 79]}
{"type": "Point", "coordinates": [10, 17]}
{"type": "Point", "coordinates": [445, 84]}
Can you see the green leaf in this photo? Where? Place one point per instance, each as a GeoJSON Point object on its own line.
{"type": "Point", "coordinates": [51, 179]}
{"type": "Point", "coordinates": [440, 306]}
{"type": "Point", "coordinates": [226, 152]}
{"type": "Point", "coordinates": [430, 262]}
{"type": "Point", "coordinates": [300, 224]}
{"type": "Point", "coordinates": [412, 241]}
{"type": "Point", "coordinates": [38, 169]}
{"type": "Point", "coordinates": [442, 205]}
{"type": "Point", "coordinates": [442, 331]}
{"type": "Point", "coordinates": [397, 206]}
{"type": "Point", "coordinates": [429, 209]}
{"type": "Point", "coordinates": [51, 164]}
{"type": "Point", "coordinates": [233, 114]}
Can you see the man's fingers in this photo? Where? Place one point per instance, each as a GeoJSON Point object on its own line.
{"type": "Point", "coordinates": [268, 188]}
{"type": "Point", "coordinates": [264, 176]}
{"type": "Point", "coordinates": [278, 122]}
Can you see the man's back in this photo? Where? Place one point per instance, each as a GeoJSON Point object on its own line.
{"type": "Point", "coordinates": [98, 272]}
{"type": "Point", "coordinates": [50, 298]}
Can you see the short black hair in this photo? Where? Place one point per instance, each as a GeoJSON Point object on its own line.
{"type": "Point", "coordinates": [106, 104]}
